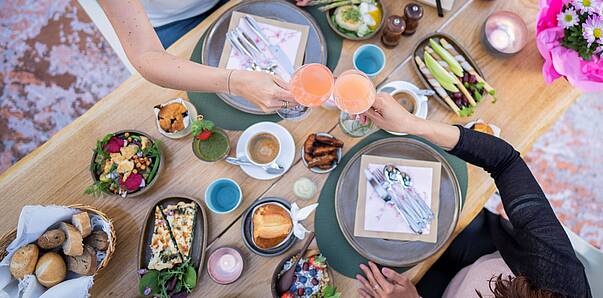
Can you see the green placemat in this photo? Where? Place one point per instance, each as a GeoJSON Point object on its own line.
{"type": "Point", "coordinates": [213, 108]}
{"type": "Point", "coordinates": [329, 237]}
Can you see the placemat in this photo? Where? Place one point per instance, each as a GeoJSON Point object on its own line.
{"type": "Point", "coordinates": [329, 237]}
{"type": "Point", "coordinates": [213, 108]}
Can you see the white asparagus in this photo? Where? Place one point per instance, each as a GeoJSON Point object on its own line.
{"type": "Point", "coordinates": [457, 82]}
{"type": "Point", "coordinates": [436, 86]}
{"type": "Point", "coordinates": [465, 64]}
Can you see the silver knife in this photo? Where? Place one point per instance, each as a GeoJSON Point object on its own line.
{"type": "Point", "coordinates": [384, 195]}
{"type": "Point", "coordinates": [276, 50]}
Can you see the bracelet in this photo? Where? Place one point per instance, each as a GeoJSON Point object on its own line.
{"type": "Point", "coordinates": [228, 81]}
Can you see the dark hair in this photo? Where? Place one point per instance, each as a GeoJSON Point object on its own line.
{"type": "Point", "coordinates": [516, 287]}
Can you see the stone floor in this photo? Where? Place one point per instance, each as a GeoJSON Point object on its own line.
{"type": "Point", "coordinates": [55, 65]}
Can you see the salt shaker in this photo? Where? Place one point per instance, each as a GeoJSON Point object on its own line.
{"type": "Point", "coordinates": [412, 14]}
{"type": "Point", "coordinates": [394, 26]}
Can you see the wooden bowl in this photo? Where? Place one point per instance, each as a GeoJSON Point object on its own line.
{"type": "Point", "coordinates": [7, 238]}
{"type": "Point", "coordinates": [148, 184]}
{"type": "Point", "coordinates": [333, 26]}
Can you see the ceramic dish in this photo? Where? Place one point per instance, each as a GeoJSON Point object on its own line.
{"type": "Point", "coordinates": [392, 252]}
{"type": "Point", "coordinates": [199, 241]}
{"type": "Point", "coordinates": [285, 158]}
{"type": "Point", "coordinates": [419, 50]}
{"type": "Point", "coordinates": [213, 45]}
{"type": "Point", "coordinates": [350, 36]}
{"type": "Point", "coordinates": [419, 101]}
{"type": "Point", "coordinates": [326, 272]}
{"type": "Point", "coordinates": [247, 229]}
{"type": "Point", "coordinates": [198, 143]}
{"type": "Point", "coordinates": [191, 116]}
{"type": "Point", "coordinates": [154, 169]}
{"type": "Point", "coordinates": [235, 264]}
{"type": "Point", "coordinates": [316, 169]}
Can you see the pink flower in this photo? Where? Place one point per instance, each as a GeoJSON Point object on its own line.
{"type": "Point", "coordinates": [592, 29]}
{"type": "Point", "coordinates": [113, 145]}
{"type": "Point", "coordinates": [547, 18]}
{"type": "Point", "coordinates": [133, 182]}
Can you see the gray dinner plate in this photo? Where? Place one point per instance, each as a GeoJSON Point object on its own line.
{"type": "Point", "coordinates": [396, 253]}
{"type": "Point", "coordinates": [272, 9]}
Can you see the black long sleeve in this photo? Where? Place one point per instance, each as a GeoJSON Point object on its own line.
{"type": "Point", "coordinates": [533, 242]}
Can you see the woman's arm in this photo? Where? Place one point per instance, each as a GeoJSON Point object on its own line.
{"type": "Point", "coordinates": [536, 246]}
{"type": "Point", "coordinates": [145, 52]}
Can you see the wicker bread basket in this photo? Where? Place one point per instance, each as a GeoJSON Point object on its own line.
{"type": "Point", "coordinates": [7, 238]}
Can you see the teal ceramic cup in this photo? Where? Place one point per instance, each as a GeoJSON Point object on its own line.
{"type": "Point", "coordinates": [369, 59]}
{"type": "Point", "coordinates": [223, 196]}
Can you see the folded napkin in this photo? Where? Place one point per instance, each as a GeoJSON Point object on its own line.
{"type": "Point", "coordinates": [33, 222]}
{"type": "Point", "coordinates": [299, 215]}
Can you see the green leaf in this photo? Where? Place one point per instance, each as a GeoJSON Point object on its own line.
{"type": "Point", "coordinates": [466, 111]}
{"type": "Point", "coordinates": [201, 125]}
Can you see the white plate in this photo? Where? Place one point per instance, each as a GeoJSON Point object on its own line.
{"type": "Point", "coordinates": [495, 128]}
{"type": "Point", "coordinates": [285, 158]}
{"type": "Point", "coordinates": [395, 87]}
{"type": "Point", "coordinates": [316, 169]}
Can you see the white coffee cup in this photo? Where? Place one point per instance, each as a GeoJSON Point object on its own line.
{"type": "Point", "coordinates": [255, 157]}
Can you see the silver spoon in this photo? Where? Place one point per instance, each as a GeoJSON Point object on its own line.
{"type": "Point", "coordinates": [272, 169]}
{"type": "Point", "coordinates": [394, 175]}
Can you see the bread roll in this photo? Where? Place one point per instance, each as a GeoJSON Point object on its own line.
{"type": "Point", "coordinates": [271, 225]}
{"type": "Point", "coordinates": [23, 261]}
{"type": "Point", "coordinates": [84, 264]}
{"type": "Point", "coordinates": [98, 240]}
{"type": "Point", "coordinates": [51, 269]}
{"type": "Point", "coordinates": [82, 222]}
{"type": "Point", "coordinates": [51, 239]}
{"type": "Point", "coordinates": [483, 127]}
{"type": "Point", "coordinates": [73, 246]}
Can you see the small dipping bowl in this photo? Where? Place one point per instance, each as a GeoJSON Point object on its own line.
{"type": "Point", "coordinates": [223, 196]}
{"type": "Point", "coordinates": [504, 33]}
{"type": "Point", "coordinates": [225, 265]}
{"type": "Point", "coordinates": [369, 59]}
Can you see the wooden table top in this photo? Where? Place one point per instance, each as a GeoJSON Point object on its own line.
{"type": "Point", "coordinates": [57, 172]}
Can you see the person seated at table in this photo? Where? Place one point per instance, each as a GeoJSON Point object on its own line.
{"type": "Point", "coordinates": [528, 255]}
{"type": "Point", "coordinates": [146, 27]}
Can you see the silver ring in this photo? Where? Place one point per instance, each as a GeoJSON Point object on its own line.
{"type": "Point", "coordinates": [285, 105]}
{"type": "Point", "coordinates": [376, 287]}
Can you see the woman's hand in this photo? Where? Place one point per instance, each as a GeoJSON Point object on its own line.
{"type": "Point", "coordinates": [266, 91]}
{"type": "Point", "coordinates": [388, 114]}
{"type": "Point", "coordinates": [386, 285]}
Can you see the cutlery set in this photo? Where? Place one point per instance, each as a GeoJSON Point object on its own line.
{"type": "Point", "coordinates": [395, 188]}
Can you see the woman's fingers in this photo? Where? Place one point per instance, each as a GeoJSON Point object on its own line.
{"type": "Point", "coordinates": [364, 293]}
{"type": "Point", "coordinates": [366, 286]}
{"type": "Point", "coordinates": [372, 281]}
{"type": "Point", "coordinates": [379, 277]}
{"type": "Point", "coordinates": [395, 277]}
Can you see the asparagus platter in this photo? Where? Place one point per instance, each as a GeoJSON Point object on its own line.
{"type": "Point", "coordinates": [446, 67]}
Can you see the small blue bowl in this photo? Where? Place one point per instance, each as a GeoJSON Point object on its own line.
{"type": "Point", "coordinates": [223, 196]}
{"type": "Point", "coordinates": [369, 59]}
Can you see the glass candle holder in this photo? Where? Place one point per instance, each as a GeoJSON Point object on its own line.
{"type": "Point", "coordinates": [504, 33]}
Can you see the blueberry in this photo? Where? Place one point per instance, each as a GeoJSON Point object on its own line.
{"type": "Point", "coordinates": [313, 272]}
{"type": "Point", "coordinates": [297, 268]}
{"type": "Point", "coordinates": [294, 278]}
{"type": "Point", "coordinates": [293, 288]}
{"type": "Point", "coordinates": [308, 291]}
{"type": "Point", "coordinates": [303, 279]}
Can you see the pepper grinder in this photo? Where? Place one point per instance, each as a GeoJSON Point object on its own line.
{"type": "Point", "coordinates": [412, 14]}
{"type": "Point", "coordinates": [394, 26]}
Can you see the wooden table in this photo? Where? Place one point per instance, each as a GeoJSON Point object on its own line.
{"type": "Point", "coordinates": [57, 172]}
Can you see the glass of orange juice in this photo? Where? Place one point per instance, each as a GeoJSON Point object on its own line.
{"type": "Point", "coordinates": [354, 94]}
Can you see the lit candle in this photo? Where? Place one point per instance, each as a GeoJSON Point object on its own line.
{"type": "Point", "coordinates": [499, 39]}
{"type": "Point", "coordinates": [505, 33]}
{"type": "Point", "coordinates": [228, 263]}
{"type": "Point", "coordinates": [225, 265]}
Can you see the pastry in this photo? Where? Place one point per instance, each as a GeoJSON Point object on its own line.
{"type": "Point", "coordinates": [51, 239]}
{"type": "Point", "coordinates": [73, 245]}
{"type": "Point", "coordinates": [171, 117]}
{"type": "Point", "coordinates": [23, 262]}
{"type": "Point", "coordinates": [98, 240]}
{"type": "Point", "coordinates": [164, 250]}
{"type": "Point", "coordinates": [271, 225]}
{"type": "Point", "coordinates": [84, 264]}
{"type": "Point", "coordinates": [483, 127]}
{"type": "Point", "coordinates": [81, 221]}
{"type": "Point", "coordinates": [50, 269]}
{"type": "Point", "coordinates": [181, 218]}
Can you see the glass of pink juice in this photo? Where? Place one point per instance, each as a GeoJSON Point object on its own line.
{"type": "Point", "coordinates": [312, 85]}
{"type": "Point", "coordinates": [354, 94]}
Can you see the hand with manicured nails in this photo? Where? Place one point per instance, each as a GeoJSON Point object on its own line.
{"type": "Point", "coordinates": [386, 283]}
{"type": "Point", "coordinates": [266, 91]}
{"type": "Point", "coordinates": [388, 114]}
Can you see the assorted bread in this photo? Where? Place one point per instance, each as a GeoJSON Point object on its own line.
{"type": "Point", "coordinates": [59, 250]}
{"type": "Point", "coordinates": [272, 224]}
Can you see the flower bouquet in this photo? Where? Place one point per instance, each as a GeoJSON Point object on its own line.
{"type": "Point", "coordinates": [569, 36]}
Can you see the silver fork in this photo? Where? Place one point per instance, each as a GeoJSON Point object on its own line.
{"type": "Point", "coordinates": [417, 203]}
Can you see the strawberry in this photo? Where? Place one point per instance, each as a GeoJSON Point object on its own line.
{"type": "Point", "coordinates": [287, 295]}
{"type": "Point", "coordinates": [204, 135]}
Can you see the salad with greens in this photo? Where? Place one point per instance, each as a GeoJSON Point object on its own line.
{"type": "Point", "coordinates": [353, 18]}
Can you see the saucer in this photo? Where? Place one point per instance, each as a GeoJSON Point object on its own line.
{"type": "Point", "coordinates": [395, 87]}
{"type": "Point", "coordinates": [286, 156]}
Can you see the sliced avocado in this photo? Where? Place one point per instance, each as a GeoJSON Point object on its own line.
{"type": "Point", "coordinates": [348, 17]}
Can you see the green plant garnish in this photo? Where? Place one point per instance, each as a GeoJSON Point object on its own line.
{"type": "Point", "coordinates": [466, 111]}
{"type": "Point", "coordinates": [200, 125]}
{"type": "Point", "coordinates": [330, 291]}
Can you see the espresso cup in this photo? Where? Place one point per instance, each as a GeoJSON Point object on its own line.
{"type": "Point", "coordinates": [369, 59]}
{"type": "Point", "coordinates": [223, 196]}
{"type": "Point", "coordinates": [263, 148]}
